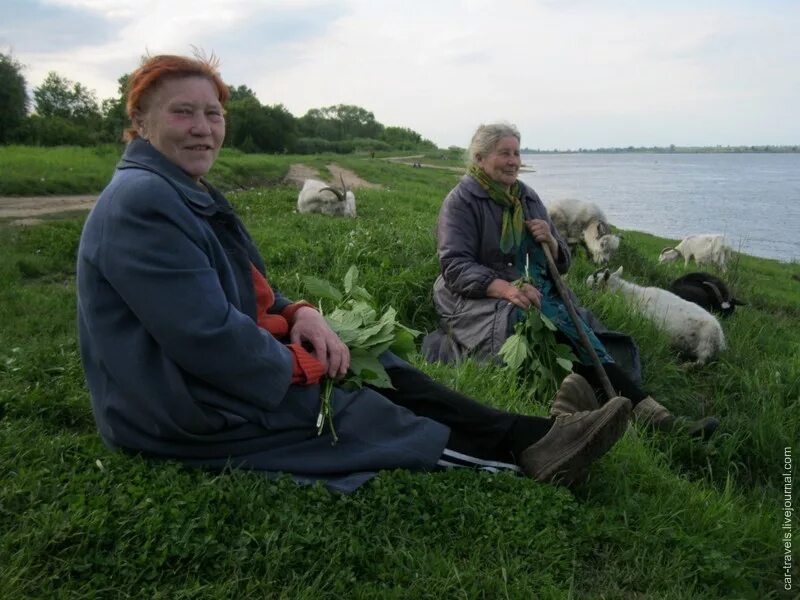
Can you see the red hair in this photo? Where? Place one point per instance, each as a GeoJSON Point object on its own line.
{"type": "Point", "coordinates": [155, 69]}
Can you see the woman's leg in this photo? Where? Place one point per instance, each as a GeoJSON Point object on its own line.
{"type": "Point", "coordinates": [619, 379]}
{"type": "Point", "coordinates": [477, 430]}
{"type": "Point", "coordinates": [645, 408]}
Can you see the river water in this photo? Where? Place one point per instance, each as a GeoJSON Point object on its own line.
{"type": "Point", "coordinates": [754, 199]}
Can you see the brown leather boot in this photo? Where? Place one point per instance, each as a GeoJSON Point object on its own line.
{"type": "Point", "coordinates": [575, 395]}
{"type": "Point", "coordinates": [651, 414]}
{"type": "Point", "coordinates": [574, 441]}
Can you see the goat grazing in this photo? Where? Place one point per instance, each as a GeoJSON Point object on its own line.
{"type": "Point", "coordinates": [706, 248]}
{"type": "Point", "coordinates": [691, 328]}
{"type": "Point", "coordinates": [579, 221]}
{"type": "Point", "coordinates": [706, 290]}
{"type": "Point", "coordinates": [319, 197]}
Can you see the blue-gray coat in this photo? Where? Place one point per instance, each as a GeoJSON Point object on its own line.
{"type": "Point", "coordinates": [176, 365]}
{"type": "Point", "coordinates": [470, 258]}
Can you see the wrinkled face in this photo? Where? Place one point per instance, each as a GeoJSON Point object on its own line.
{"type": "Point", "coordinates": [183, 119]}
{"type": "Point", "coordinates": [502, 164]}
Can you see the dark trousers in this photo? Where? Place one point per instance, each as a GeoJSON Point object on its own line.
{"type": "Point", "coordinates": [619, 379]}
{"type": "Point", "coordinates": [475, 429]}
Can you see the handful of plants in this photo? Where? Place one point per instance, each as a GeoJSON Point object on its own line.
{"type": "Point", "coordinates": [355, 320]}
{"type": "Point", "coordinates": [533, 351]}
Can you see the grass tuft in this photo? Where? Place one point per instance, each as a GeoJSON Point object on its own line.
{"type": "Point", "coordinates": [661, 516]}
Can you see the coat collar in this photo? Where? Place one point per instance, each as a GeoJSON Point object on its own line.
{"type": "Point", "coordinates": [475, 188]}
{"type": "Point", "coordinates": [140, 154]}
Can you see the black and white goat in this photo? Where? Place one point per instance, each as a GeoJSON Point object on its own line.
{"type": "Point", "coordinates": [706, 290]}
{"type": "Point", "coordinates": [691, 328]}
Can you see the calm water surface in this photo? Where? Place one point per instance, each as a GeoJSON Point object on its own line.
{"type": "Point", "coordinates": [754, 199]}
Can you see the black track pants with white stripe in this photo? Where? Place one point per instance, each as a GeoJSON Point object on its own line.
{"type": "Point", "coordinates": [480, 436]}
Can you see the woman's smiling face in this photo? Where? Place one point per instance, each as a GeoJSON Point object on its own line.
{"type": "Point", "coordinates": [503, 162]}
{"type": "Point", "coordinates": [184, 120]}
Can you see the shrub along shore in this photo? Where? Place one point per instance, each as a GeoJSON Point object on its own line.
{"type": "Point", "coordinates": [660, 516]}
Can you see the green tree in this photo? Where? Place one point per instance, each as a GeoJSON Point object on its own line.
{"type": "Point", "coordinates": [59, 97]}
{"type": "Point", "coordinates": [13, 99]}
{"type": "Point", "coordinates": [114, 113]}
{"type": "Point", "coordinates": [403, 138]}
{"type": "Point", "coordinates": [340, 122]}
{"type": "Point", "coordinates": [241, 92]}
{"type": "Point", "coordinates": [252, 127]}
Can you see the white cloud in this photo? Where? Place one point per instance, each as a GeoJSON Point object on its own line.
{"type": "Point", "coordinates": [569, 74]}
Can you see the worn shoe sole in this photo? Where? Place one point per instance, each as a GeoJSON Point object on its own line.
{"type": "Point", "coordinates": [572, 466]}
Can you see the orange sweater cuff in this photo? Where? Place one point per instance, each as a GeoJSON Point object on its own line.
{"type": "Point", "coordinates": [306, 370]}
{"type": "Point", "coordinates": [288, 312]}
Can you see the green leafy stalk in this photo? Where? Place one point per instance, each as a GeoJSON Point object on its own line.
{"type": "Point", "coordinates": [533, 352]}
{"type": "Point", "coordinates": [367, 335]}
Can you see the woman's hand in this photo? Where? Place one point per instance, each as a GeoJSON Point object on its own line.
{"type": "Point", "coordinates": [540, 230]}
{"type": "Point", "coordinates": [520, 296]}
{"type": "Point", "coordinates": [309, 326]}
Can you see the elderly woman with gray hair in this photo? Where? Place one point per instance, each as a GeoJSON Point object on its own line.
{"type": "Point", "coordinates": [490, 226]}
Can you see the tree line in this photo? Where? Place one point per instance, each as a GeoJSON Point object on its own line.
{"type": "Point", "coordinates": [64, 112]}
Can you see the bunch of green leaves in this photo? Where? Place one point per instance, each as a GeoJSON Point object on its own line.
{"type": "Point", "coordinates": [367, 334]}
{"type": "Point", "coordinates": [534, 353]}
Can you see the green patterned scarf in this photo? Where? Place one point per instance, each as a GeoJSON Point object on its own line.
{"type": "Point", "coordinates": [513, 220]}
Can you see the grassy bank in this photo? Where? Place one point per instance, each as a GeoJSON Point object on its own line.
{"type": "Point", "coordinates": [660, 517]}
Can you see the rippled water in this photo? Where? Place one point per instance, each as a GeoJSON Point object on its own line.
{"type": "Point", "coordinates": [754, 199]}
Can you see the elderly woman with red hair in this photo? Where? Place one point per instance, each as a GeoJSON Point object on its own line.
{"type": "Point", "coordinates": [190, 354]}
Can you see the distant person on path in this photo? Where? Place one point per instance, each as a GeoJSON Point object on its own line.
{"type": "Point", "coordinates": [487, 226]}
{"type": "Point", "coordinates": [190, 354]}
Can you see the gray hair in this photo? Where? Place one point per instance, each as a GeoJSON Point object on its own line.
{"type": "Point", "coordinates": [486, 139]}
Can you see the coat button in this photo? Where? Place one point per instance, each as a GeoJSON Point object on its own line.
{"type": "Point", "coordinates": [510, 264]}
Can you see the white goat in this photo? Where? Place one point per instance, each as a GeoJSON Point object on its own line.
{"type": "Point", "coordinates": [584, 221]}
{"type": "Point", "coordinates": [690, 327]}
{"type": "Point", "coordinates": [706, 248]}
{"type": "Point", "coordinates": [319, 197]}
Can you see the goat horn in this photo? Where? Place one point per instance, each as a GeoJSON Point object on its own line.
{"type": "Point", "coordinates": [338, 193]}
{"type": "Point", "coordinates": [717, 293]}
{"type": "Point", "coordinates": [344, 187]}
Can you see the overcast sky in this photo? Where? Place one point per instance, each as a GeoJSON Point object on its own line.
{"type": "Point", "coordinates": [569, 74]}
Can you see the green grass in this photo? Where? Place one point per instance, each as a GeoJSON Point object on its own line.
{"type": "Point", "coordinates": [661, 516]}
{"type": "Point", "coordinates": [36, 171]}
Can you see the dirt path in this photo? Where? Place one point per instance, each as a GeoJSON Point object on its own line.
{"type": "Point", "coordinates": [25, 209]}
{"type": "Point", "coordinates": [299, 172]}
{"type": "Point", "coordinates": [351, 180]}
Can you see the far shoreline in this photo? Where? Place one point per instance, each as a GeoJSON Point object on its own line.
{"type": "Point", "coordinates": [676, 150]}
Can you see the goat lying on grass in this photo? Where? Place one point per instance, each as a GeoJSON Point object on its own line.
{"type": "Point", "coordinates": [692, 329]}
{"type": "Point", "coordinates": [706, 248]}
{"type": "Point", "coordinates": [706, 290]}
{"type": "Point", "coordinates": [319, 197]}
{"type": "Point", "coordinates": [579, 221]}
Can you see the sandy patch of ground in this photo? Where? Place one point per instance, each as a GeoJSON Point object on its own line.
{"type": "Point", "coordinates": [351, 180]}
{"type": "Point", "coordinates": [299, 172]}
{"type": "Point", "coordinates": [32, 206]}
{"type": "Point", "coordinates": [412, 160]}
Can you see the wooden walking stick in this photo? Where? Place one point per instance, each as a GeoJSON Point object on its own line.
{"type": "Point", "coordinates": [576, 320]}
